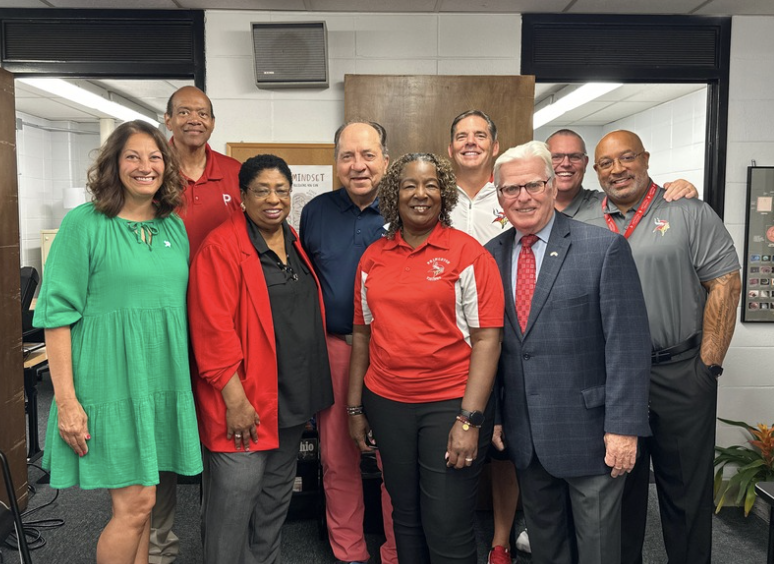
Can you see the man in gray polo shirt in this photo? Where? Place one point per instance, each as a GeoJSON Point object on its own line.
{"type": "Point", "coordinates": [689, 271]}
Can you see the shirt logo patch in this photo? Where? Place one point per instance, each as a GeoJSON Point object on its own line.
{"type": "Point", "coordinates": [662, 226]}
{"type": "Point", "coordinates": [437, 268]}
{"type": "Point", "coordinates": [500, 218]}
{"type": "Point", "coordinates": [167, 244]}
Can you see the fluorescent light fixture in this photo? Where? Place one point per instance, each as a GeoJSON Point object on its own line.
{"type": "Point", "coordinates": [63, 89]}
{"type": "Point", "coordinates": [574, 99]}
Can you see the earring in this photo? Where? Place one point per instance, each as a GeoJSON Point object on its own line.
{"type": "Point", "coordinates": [242, 205]}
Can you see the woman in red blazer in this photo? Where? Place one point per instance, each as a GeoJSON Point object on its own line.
{"type": "Point", "coordinates": [257, 327]}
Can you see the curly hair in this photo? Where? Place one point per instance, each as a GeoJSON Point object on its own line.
{"type": "Point", "coordinates": [104, 181]}
{"type": "Point", "coordinates": [389, 189]}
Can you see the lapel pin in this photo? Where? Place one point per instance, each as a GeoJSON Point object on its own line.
{"type": "Point", "coordinates": [554, 254]}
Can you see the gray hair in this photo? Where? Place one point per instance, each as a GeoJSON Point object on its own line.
{"type": "Point", "coordinates": [531, 149]}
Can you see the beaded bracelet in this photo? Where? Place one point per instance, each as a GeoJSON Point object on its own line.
{"type": "Point", "coordinates": [353, 410]}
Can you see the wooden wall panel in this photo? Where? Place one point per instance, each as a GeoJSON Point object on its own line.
{"type": "Point", "coordinates": [13, 432]}
{"type": "Point", "coordinates": [417, 111]}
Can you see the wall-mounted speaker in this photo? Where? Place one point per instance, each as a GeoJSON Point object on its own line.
{"type": "Point", "coordinates": [290, 54]}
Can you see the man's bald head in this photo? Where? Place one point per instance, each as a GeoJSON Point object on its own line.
{"type": "Point", "coordinates": [621, 162]}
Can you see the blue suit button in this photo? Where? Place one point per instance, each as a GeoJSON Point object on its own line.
{"type": "Point", "coordinates": [525, 356]}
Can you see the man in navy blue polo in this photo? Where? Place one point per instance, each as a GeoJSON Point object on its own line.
{"type": "Point", "coordinates": [336, 228]}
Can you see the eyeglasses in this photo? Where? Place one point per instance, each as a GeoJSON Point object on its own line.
{"type": "Point", "coordinates": [628, 158]}
{"type": "Point", "coordinates": [534, 187]}
{"type": "Point", "coordinates": [262, 193]}
{"type": "Point", "coordinates": [575, 158]}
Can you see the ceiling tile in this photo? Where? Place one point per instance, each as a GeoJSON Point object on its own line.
{"type": "Point", "coordinates": [737, 7]}
{"type": "Point", "coordinates": [658, 93]}
{"type": "Point", "coordinates": [632, 7]}
{"type": "Point", "coordinates": [115, 4]}
{"type": "Point", "coordinates": [23, 4]}
{"type": "Point", "coordinates": [372, 5]}
{"type": "Point", "coordinates": [55, 110]}
{"type": "Point", "coordinates": [285, 5]}
{"type": "Point", "coordinates": [504, 6]}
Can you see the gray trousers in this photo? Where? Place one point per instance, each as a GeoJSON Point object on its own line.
{"type": "Point", "coordinates": [552, 505]}
{"type": "Point", "coordinates": [246, 496]}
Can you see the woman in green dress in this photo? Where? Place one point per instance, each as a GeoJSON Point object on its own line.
{"type": "Point", "coordinates": [113, 304]}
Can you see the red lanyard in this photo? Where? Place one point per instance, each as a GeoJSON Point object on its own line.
{"type": "Point", "coordinates": [637, 216]}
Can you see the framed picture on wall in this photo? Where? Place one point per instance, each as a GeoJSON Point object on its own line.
{"type": "Point", "coordinates": [758, 288]}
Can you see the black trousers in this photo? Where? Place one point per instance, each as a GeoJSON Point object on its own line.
{"type": "Point", "coordinates": [683, 406]}
{"type": "Point", "coordinates": [433, 506]}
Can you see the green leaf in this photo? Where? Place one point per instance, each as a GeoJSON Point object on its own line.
{"type": "Point", "coordinates": [749, 499]}
{"type": "Point", "coordinates": [737, 424]}
{"type": "Point", "coordinates": [745, 477]}
{"type": "Point", "coordinates": [718, 482]}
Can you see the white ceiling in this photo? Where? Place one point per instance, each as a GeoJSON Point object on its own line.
{"type": "Point", "coordinates": [621, 102]}
{"type": "Point", "coordinates": [151, 95]}
{"type": "Point", "coordinates": [685, 7]}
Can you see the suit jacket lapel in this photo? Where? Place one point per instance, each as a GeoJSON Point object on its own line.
{"type": "Point", "coordinates": [556, 251]}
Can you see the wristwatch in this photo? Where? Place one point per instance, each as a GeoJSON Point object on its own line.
{"type": "Point", "coordinates": [716, 370]}
{"type": "Point", "coordinates": [470, 418]}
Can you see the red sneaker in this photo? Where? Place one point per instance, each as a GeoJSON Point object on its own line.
{"type": "Point", "coordinates": [499, 555]}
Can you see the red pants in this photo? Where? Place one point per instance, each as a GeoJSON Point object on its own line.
{"type": "Point", "coordinates": [341, 471]}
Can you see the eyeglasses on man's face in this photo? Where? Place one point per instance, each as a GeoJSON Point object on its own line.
{"type": "Point", "coordinates": [625, 159]}
{"type": "Point", "coordinates": [262, 193]}
{"type": "Point", "coordinates": [575, 158]}
{"type": "Point", "coordinates": [534, 187]}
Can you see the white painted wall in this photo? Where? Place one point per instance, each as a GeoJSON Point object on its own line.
{"type": "Point", "coordinates": [747, 387]}
{"type": "Point", "coordinates": [47, 163]}
{"type": "Point", "coordinates": [431, 44]}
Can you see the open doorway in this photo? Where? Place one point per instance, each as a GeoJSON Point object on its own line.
{"type": "Point", "coordinates": [671, 119]}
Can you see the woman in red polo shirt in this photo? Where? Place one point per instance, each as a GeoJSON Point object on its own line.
{"type": "Point", "coordinates": [428, 320]}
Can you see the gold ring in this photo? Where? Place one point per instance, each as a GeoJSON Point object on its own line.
{"type": "Point", "coordinates": [468, 460]}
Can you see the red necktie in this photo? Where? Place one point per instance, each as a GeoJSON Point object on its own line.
{"type": "Point", "coordinates": [525, 279]}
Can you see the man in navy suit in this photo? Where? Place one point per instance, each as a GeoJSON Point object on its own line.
{"type": "Point", "coordinates": [575, 364]}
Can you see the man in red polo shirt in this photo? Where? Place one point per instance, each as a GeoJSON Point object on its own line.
{"type": "Point", "coordinates": [212, 190]}
{"type": "Point", "coordinates": [211, 195]}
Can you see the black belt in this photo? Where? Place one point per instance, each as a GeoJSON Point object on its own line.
{"type": "Point", "coordinates": [665, 355]}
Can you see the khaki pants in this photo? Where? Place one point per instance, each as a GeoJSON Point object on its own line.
{"type": "Point", "coordinates": [164, 544]}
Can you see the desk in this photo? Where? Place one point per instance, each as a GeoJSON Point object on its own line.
{"type": "Point", "coordinates": [34, 363]}
{"type": "Point", "coordinates": [766, 492]}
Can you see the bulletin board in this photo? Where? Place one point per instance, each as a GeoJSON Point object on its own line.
{"type": "Point", "coordinates": [312, 165]}
{"type": "Point", "coordinates": [758, 299]}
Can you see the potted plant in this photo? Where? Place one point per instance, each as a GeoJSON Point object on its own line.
{"type": "Point", "coordinates": [755, 464]}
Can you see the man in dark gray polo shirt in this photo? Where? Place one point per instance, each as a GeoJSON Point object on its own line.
{"type": "Point", "coordinates": [689, 271]}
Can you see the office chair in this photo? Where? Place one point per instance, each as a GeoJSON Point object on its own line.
{"type": "Point", "coordinates": [29, 283]}
{"type": "Point", "coordinates": [24, 551]}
